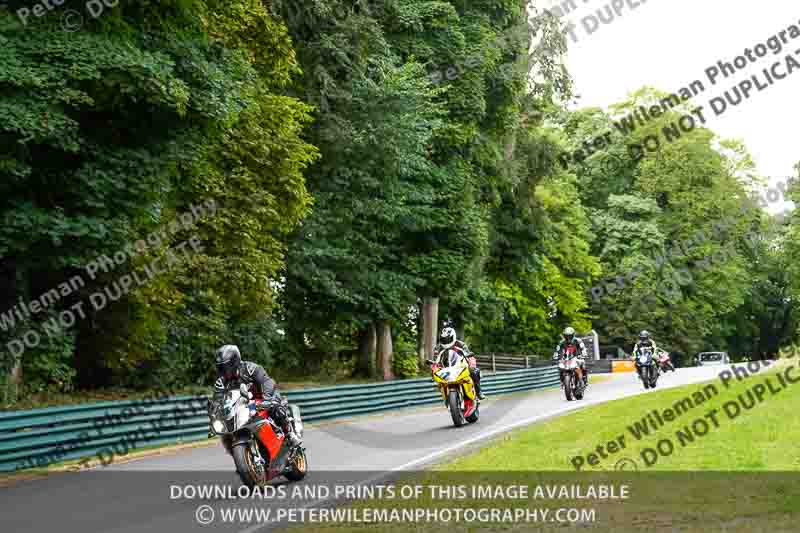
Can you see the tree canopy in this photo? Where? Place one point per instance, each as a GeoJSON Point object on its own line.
{"type": "Point", "coordinates": [317, 178]}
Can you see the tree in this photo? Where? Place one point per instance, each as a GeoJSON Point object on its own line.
{"type": "Point", "coordinates": [110, 133]}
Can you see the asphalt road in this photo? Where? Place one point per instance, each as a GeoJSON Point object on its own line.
{"type": "Point", "coordinates": [139, 495]}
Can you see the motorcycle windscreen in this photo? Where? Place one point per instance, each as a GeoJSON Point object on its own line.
{"type": "Point", "coordinates": [453, 358]}
{"type": "Point", "coordinates": [242, 414]}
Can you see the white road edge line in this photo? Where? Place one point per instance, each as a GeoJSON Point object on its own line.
{"type": "Point", "coordinates": [503, 429]}
{"type": "Point", "coordinates": [476, 438]}
{"type": "Point", "coordinates": [483, 436]}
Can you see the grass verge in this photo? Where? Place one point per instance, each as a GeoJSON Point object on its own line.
{"type": "Point", "coordinates": [738, 474]}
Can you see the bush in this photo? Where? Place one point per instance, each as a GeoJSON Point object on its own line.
{"type": "Point", "coordinates": [405, 365]}
{"type": "Point", "coordinates": [48, 366]}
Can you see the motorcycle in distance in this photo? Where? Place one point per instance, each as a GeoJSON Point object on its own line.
{"type": "Point", "coordinates": [647, 368]}
{"type": "Point", "coordinates": [664, 361]}
{"type": "Point", "coordinates": [457, 388]}
{"type": "Point", "coordinates": [570, 374]}
{"type": "Point", "coordinates": [261, 452]}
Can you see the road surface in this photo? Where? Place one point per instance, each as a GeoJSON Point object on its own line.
{"type": "Point", "coordinates": [137, 495]}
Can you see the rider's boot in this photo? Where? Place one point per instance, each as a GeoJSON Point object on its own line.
{"type": "Point", "coordinates": [476, 380]}
{"type": "Point", "coordinates": [480, 394]}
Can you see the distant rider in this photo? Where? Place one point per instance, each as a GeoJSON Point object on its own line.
{"type": "Point", "coordinates": [232, 372]}
{"type": "Point", "coordinates": [644, 342]}
{"type": "Point", "coordinates": [447, 340]}
{"type": "Point", "coordinates": [569, 339]}
{"type": "Point", "coordinates": [667, 365]}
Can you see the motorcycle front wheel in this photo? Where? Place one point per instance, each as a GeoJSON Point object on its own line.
{"type": "Point", "coordinates": [245, 465]}
{"type": "Point", "coordinates": [569, 378]}
{"type": "Point", "coordinates": [653, 377]}
{"type": "Point", "coordinates": [578, 393]}
{"type": "Point", "coordinates": [454, 402]}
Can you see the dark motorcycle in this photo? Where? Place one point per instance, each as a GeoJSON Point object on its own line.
{"type": "Point", "coordinates": [647, 368]}
{"type": "Point", "coordinates": [260, 450]}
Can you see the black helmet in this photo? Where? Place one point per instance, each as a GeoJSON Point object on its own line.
{"type": "Point", "coordinates": [569, 334]}
{"type": "Point", "coordinates": [644, 335]}
{"type": "Point", "coordinates": [228, 360]}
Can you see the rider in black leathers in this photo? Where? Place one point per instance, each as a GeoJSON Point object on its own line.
{"type": "Point", "coordinates": [232, 372]}
{"type": "Point", "coordinates": [644, 342]}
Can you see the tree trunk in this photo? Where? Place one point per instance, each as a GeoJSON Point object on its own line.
{"type": "Point", "coordinates": [14, 378]}
{"type": "Point", "coordinates": [367, 348]}
{"type": "Point", "coordinates": [385, 350]}
{"type": "Point", "coordinates": [16, 372]}
{"type": "Point", "coordinates": [420, 335]}
{"type": "Point", "coordinates": [430, 319]}
{"type": "Point", "coordinates": [459, 327]}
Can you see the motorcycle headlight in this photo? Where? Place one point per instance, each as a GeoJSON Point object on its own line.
{"type": "Point", "coordinates": [218, 426]}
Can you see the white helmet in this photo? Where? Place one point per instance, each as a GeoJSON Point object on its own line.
{"type": "Point", "coordinates": [447, 337]}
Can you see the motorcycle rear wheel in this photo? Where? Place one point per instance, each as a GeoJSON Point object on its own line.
{"type": "Point", "coordinates": [455, 408]}
{"type": "Point", "coordinates": [299, 467]}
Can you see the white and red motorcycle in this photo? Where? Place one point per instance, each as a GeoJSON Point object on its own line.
{"type": "Point", "coordinates": [571, 374]}
{"type": "Point", "coordinates": [664, 361]}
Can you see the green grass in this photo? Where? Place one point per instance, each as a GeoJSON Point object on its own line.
{"type": "Point", "coordinates": [755, 440]}
{"type": "Point", "coordinates": [742, 476]}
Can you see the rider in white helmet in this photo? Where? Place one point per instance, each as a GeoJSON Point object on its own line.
{"type": "Point", "coordinates": [569, 338]}
{"type": "Point", "coordinates": [447, 340]}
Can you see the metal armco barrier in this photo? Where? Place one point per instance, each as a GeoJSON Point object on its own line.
{"type": "Point", "coordinates": [44, 436]}
{"type": "Point", "coordinates": [501, 362]}
{"type": "Point", "coordinates": [599, 366]}
{"type": "Point", "coordinates": [496, 362]}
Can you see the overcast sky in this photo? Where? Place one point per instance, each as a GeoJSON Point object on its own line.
{"type": "Point", "coordinates": [670, 43]}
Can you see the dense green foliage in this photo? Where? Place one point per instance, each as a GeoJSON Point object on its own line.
{"type": "Point", "coordinates": [360, 157]}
